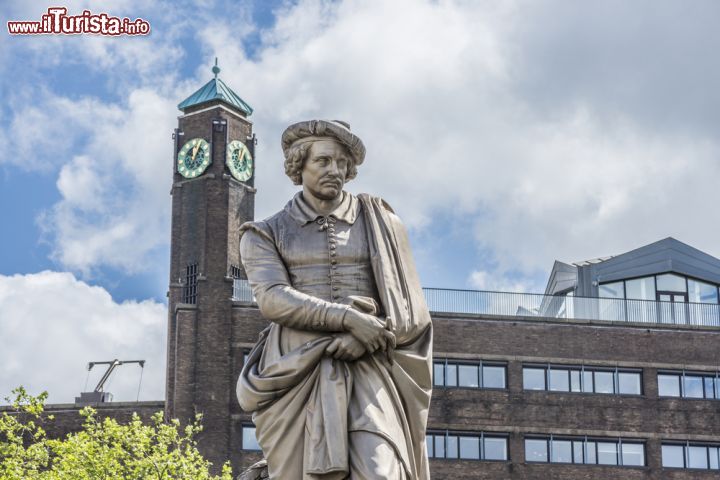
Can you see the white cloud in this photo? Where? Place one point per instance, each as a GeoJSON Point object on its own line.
{"type": "Point", "coordinates": [441, 93]}
{"type": "Point", "coordinates": [53, 325]}
{"type": "Point", "coordinates": [115, 184]}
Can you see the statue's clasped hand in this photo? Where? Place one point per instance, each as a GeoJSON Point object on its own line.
{"type": "Point", "coordinates": [345, 347]}
{"type": "Point", "coordinates": [370, 331]}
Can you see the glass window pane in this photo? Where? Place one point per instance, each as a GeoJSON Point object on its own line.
{"type": "Point", "coordinates": [588, 384]}
{"type": "Point", "coordinates": [561, 451]}
{"type": "Point", "coordinates": [559, 380]}
{"type": "Point", "coordinates": [578, 452]}
{"type": "Point", "coordinates": [470, 448]}
{"type": "Point", "coordinates": [468, 376]}
{"type": "Point", "coordinates": [714, 459]}
{"type": "Point", "coordinates": [495, 448]}
{"type": "Point", "coordinates": [439, 446]}
{"type": "Point", "coordinates": [669, 282]}
{"type": "Point", "coordinates": [536, 450]}
{"type": "Point", "coordinates": [604, 382]}
{"type": "Point", "coordinates": [429, 445]}
{"type": "Point", "coordinates": [668, 385]}
{"type": "Point", "coordinates": [672, 456]}
{"type": "Point", "coordinates": [452, 446]}
{"type": "Point", "coordinates": [693, 387]}
{"type": "Point", "coordinates": [709, 387]}
{"type": "Point", "coordinates": [629, 383]}
{"type": "Point", "coordinates": [612, 290]}
{"type": "Point", "coordinates": [633, 454]}
{"type": "Point", "coordinates": [439, 374]}
{"type": "Point", "coordinates": [493, 376]}
{"type": "Point", "coordinates": [249, 441]}
{"type": "Point", "coordinates": [575, 381]}
{"type": "Point", "coordinates": [533, 378]}
{"type": "Point", "coordinates": [640, 288]}
{"type": "Point", "coordinates": [451, 375]}
{"type": "Point", "coordinates": [607, 453]}
{"type": "Point", "coordinates": [697, 457]}
{"type": "Point", "coordinates": [590, 453]}
{"type": "Point", "coordinates": [701, 292]}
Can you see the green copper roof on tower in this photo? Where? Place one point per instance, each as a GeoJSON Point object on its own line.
{"type": "Point", "coordinates": [216, 89]}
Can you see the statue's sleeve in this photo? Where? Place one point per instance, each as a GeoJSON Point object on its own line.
{"type": "Point", "coordinates": [277, 300]}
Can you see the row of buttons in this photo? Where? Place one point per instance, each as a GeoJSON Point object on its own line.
{"type": "Point", "coordinates": [328, 224]}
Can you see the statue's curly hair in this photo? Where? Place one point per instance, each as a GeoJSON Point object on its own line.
{"type": "Point", "coordinates": [296, 155]}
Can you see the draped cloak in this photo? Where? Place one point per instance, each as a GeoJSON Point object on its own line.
{"type": "Point", "coordinates": [305, 403]}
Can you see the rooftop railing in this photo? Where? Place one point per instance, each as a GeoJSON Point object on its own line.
{"type": "Point", "coordinates": [511, 304]}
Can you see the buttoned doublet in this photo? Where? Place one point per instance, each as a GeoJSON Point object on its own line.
{"type": "Point", "coordinates": [306, 271]}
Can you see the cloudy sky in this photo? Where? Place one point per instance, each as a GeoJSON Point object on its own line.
{"type": "Point", "coordinates": [507, 134]}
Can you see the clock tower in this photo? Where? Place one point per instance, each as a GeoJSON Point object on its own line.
{"type": "Point", "coordinates": [212, 195]}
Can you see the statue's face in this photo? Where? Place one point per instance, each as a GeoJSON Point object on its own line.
{"type": "Point", "coordinates": [325, 169]}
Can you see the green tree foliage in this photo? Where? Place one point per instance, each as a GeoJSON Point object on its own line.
{"type": "Point", "coordinates": [103, 449]}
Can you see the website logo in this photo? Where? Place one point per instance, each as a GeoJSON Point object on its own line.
{"type": "Point", "coordinates": [57, 22]}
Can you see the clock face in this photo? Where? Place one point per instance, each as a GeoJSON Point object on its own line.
{"type": "Point", "coordinates": [239, 160]}
{"type": "Point", "coordinates": [193, 158]}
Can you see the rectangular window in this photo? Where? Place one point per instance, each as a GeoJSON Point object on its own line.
{"type": "Point", "coordinates": [467, 446]}
{"type": "Point", "coordinates": [190, 286]}
{"type": "Point", "coordinates": [533, 378]}
{"type": "Point", "coordinates": [640, 288]}
{"type": "Point", "coordinates": [709, 387]}
{"type": "Point", "coordinates": [493, 376]}
{"type": "Point", "coordinates": [701, 292]}
{"type": "Point", "coordinates": [582, 379]}
{"type": "Point", "coordinates": [235, 271]}
{"type": "Point", "coordinates": [578, 451]}
{"type": "Point", "coordinates": [697, 457]}
{"type": "Point", "coordinates": [690, 455]}
{"type": "Point", "coordinates": [714, 458]}
{"type": "Point", "coordinates": [575, 384]}
{"type": "Point", "coordinates": [451, 442]}
{"type": "Point", "coordinates": [629, 383]}
{"type": "Point", "coordinates": [562, 451]}
{"type": "Point", "coordinates": [668, 385]}
{"type": "Point", "coordinates": [455, 373]}
{"type": "Point", "coordinates": [438, 374]}
{"type": "Point", "coordinates": [468, 376]}
{"type": "Point", "coordinates": [495, 448]}
{"type": "Point", "coordinates": [669, 282]}
{"type": "Point", "coordinates": [607, 453]}
{"type": "Point", "coordinates": [559, 380]}
{"type": "Point", "coordinates": [439, 446]}
{"type": "Point", "coordinates": [673, 456]}
{"type": "Point", "coordinates": [591, 453]}
{"type": "Point", "coordinates": [633, 455]}
{"type": "Point", "coordinates": [604, 382]}
{"type": "Point", "coordinates": [249, 441]}
{"type": "Point", "coordinates": [583, 451]}
{"type": "Point", "coordinates": [692, 386]}
{"type": "Point", "coordinates": [536, 450]}
{"type": "Point", "coordinates": [588, 385]}
{"type": "Point", "coordinates": [688, 385]}
{"type": "Point", "coordinates": [451, 375]}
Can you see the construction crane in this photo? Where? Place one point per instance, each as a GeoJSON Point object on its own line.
{"type": "Point", "coordinates": [99, 395]}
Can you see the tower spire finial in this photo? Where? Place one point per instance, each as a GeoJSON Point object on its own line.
{"type": "Point", "coordinates": [216, 69]}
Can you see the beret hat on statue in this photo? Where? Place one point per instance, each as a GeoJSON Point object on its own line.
{"type": "Point", "coordinates": [312, 130]}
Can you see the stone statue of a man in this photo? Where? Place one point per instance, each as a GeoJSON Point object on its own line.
{"type": "Point", "coordinates": [340, 383]}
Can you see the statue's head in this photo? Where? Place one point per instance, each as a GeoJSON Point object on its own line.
{"type": "Point", "coordinates": [314, 138]}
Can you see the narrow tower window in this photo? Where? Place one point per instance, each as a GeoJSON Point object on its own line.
{"type": "Point", "coordinates": [190, 288]}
